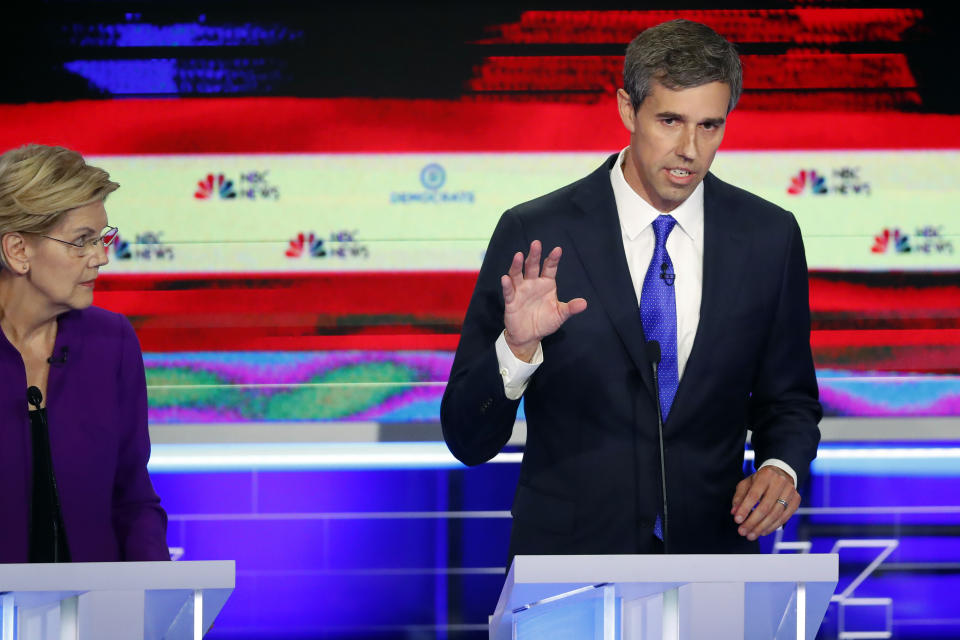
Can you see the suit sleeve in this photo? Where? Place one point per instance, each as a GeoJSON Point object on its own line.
{"type": "Point", "coordinates": [476, 415]}
{"type": "Point", "coordinates": [784, 405]}
{"type": "Point", "coordinates": [139, 521]}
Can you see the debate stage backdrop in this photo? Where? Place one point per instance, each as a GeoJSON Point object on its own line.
{"type": "Point", "coordinates": [306, 197]}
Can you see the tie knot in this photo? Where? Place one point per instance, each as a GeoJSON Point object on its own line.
{"type": "Point", "coordinates": [662, 227]}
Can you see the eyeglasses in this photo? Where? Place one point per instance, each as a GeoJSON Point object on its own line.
{"type": "Point", "coordinates": [85, 246]}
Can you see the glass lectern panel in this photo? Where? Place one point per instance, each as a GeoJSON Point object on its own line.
{"type": "Point", "coordinates": [591, 613]}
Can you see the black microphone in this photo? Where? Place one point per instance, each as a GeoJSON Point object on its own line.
{"type": "Point", "coordinates": [667, 276]}
{"type": "Point", "coordinates": [34, 397]}
{"type": "Point", "coordinates": [59, 360]}
{"type": "Point", "coordinates": [653, 355]}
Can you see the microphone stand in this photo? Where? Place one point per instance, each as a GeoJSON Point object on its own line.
{"type": "Point", "coordinates": [653, 354]}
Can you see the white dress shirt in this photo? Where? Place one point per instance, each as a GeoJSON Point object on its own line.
{"type": "Point", "coordinates": [685, 246]}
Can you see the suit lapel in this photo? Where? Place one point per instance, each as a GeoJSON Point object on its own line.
{"type": "Point", "coordinates": [724, 262]}
{"type": "Point", "coordinates": [597, 239]}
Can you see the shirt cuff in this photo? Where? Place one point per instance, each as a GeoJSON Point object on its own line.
{"type": "Point", "coordinates": [514, 371]}
{"type": "Point", "coordinates": [783, 466]}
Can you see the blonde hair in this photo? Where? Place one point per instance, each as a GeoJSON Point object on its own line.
{"type": "Point", "coordinates": [39, 184]}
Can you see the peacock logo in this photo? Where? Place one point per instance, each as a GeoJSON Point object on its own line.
{"type": "Point", "coordinates": [306, 243]}
{"type": "Point", "coordinates": [217, 184]}
{"type": "Point", "coordinates": [800, 182]}
{"type": "Point", "coordinates": [121, 248]}
{"type": "Point", "coordinates": [891, 241]}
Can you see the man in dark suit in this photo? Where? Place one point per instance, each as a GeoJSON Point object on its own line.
{"type": "Point", "coordinates": [655, 248]}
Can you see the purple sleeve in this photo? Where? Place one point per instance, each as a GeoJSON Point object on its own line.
{"type": "Point", "coordinates": [138, 519]}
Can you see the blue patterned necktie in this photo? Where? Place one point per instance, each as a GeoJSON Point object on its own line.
{"type": "Point", "coordinates": [658, 313]}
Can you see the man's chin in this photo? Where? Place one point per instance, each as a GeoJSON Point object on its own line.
{"type": "Point", "coordinates": [672, 197]}
{"type": "Point", "coordinates": [678, 193]}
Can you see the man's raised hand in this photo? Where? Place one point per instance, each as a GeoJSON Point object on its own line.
{"type": "Point", "coordinates": [532, 310]}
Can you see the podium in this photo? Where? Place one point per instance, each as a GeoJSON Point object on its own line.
{"type": "Point", "coordinates": [106, 600]}
{"type": "Point", "coordinates": [668, 597]}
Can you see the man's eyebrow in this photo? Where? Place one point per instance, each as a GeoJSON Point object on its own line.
{"type": "Point", "coordinates": [670, 115]}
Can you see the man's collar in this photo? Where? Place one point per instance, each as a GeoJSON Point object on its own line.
{"type": "Point", "coordinates": [636, 214]}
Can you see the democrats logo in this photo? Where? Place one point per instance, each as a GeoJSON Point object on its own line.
{"type": "Point", "coordinates": [249, 185]}
{"type": "Point", "coordinates": [928, 239]}
{"type": "Point", "coordinates": [844, 181]}
{"type": "Point", "coordinates": [433, 177]}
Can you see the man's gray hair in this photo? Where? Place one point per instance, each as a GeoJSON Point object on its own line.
{"type": "Point", "coordinates": [680, 54]}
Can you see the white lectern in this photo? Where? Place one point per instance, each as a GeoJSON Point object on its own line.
{"type": "Point", "coordinates": [105, 600]}
{"type": "Point", "coordinates": [675, 597]}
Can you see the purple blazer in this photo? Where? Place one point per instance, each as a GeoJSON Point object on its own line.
{"type": "Point", "coordinates": [97, 411]}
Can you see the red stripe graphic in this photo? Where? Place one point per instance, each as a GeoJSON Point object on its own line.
{"type": "Point", "coordinates": [291, 312]}
{"type": "Point", "coordinates": [293, 125]}
{"type": "Point", "coordinates": [797, 25]}
{"type": "Point", "coordinates": [436, 294]}
{"type": "Point", "coordinates": [795, 80]}
{"type": "Point", "coordinates": [861, 321]}
{"type": "Point", "coordinates": [893, 294]}
{"type": "Point", "coordinates": [793, 70]}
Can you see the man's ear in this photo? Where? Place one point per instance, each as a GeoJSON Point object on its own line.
{"type": "Point", "coordinates": [627, 113]}
{"type": "Point", "coordinates": [14, 248]}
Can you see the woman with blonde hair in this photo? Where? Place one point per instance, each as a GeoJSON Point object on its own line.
{"type": "Point", "coordinates": [73, 403]}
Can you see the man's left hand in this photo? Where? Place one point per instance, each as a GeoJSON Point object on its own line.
{"type": "Point", "coordinates": [755, 506]}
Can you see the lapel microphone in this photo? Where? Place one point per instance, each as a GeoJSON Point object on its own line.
{"type": "Point", "coordinates": [59, 360]}
{"type": "Point", "coordinates": [653, 355]}
{"type": "Point", "coordinates": [666, 276]}
{"type": "Point", "coordinates": [34, 397]}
